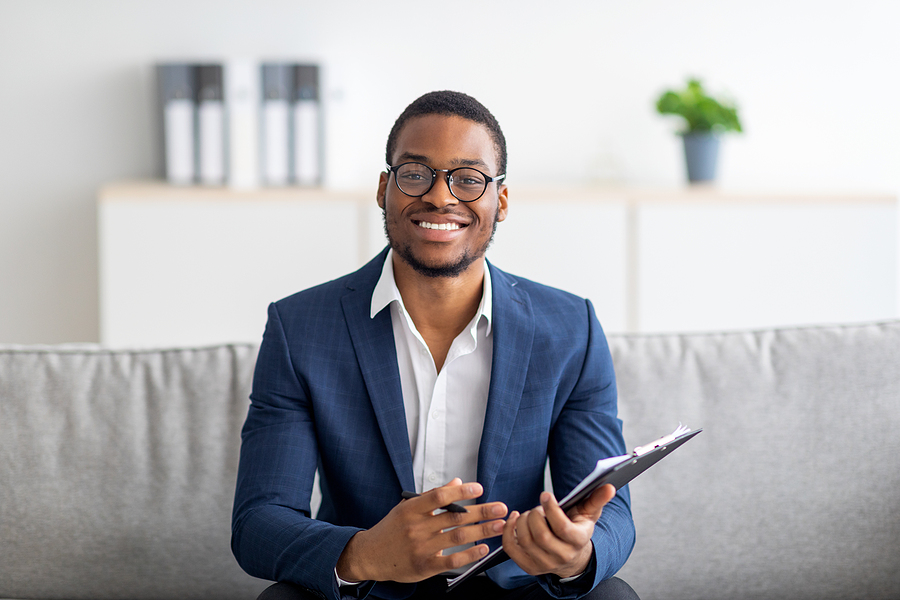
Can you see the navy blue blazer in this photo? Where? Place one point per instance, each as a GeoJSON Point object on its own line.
{"type": "Point", "coordinates": [326, 395]}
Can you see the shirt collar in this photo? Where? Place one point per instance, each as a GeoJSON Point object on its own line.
{"type": "Point", "coordinates": [386, 292]}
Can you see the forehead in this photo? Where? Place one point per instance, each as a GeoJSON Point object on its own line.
{"type": "Point", "coordinates": [446, 141]}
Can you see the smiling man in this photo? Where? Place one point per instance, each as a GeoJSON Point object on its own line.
{"type": "Point", "coordinates": [431, 375]}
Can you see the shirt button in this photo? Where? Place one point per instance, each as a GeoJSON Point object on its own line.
{"type": "Point", "coordinates": [434, 415]}
{"type": "Point", "coordinates": [432, 477]}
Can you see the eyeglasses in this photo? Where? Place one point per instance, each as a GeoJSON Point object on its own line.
{"type": "Point", "coordinates": [465, 183]}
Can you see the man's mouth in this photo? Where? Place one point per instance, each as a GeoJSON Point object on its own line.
{"type": "Point", "coordinates": [440, 226]}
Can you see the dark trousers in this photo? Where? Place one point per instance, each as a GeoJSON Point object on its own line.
{"type": "Point", "coordinates": [477, 588]}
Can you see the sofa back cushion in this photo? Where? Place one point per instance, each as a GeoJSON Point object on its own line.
{"type": "Point", "coordinates": [793, 488]}
{"type": "Point", "coordinates": [117, 472]}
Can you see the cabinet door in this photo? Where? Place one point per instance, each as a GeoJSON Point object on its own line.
{"type": "Point", "coordinates": [709, 265]}
{"type": "Point", "coordinates": [576, 245]}
{"type": "Point", "coordinates": [183, 272]}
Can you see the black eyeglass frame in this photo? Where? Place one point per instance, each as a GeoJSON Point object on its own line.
{"type": "Point", "coordinates": [487, 179]}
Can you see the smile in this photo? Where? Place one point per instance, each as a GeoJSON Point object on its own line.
{"type": "Point", "coordinates": [441, 226]}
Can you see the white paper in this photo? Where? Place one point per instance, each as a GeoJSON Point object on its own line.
{"type": "Point", "coordinates": [603, 465]}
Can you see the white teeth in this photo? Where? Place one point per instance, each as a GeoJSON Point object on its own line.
{"type": "Point", "coordinates": [442, 226]}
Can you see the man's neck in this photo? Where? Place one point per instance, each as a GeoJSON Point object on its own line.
{"type": "Point", "coordinates": [440, 307]}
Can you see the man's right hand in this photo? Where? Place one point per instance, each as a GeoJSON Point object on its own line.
{"type": "Point", "coordinates": [406, 545]}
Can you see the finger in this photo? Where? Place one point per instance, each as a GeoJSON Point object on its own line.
{"type": "Point", "coordinates": [592, 506]}
{"type": "Point", "coordinates": [545, 541]}
{"type": "Point", "coordinates": [453, 482]}
{"type": "Point", "coordinates": [525, 529]}
{"type": "Point", "coordinates": [461, 536]}
{"type": "Point", "coordinates": [509, 530]}
{"type": "Point", "coordinates": [548, 549]}
{"type": "Point", "coordinates": [463, 557]}
{"type": "Point", "coordinates": [479, 522]}
{"type": "Point", "coordinates": [519, 543]}
{"type": "Point", "coordinates": [511, 544]}
{"type": "Point", "coordinates": [537, 542]}
{"type": "Point", "coordinates": [452, 492]}
{"type": "Point", "coordinates": [555, 515]}
{"type": "Point", "coordinates": [560, 525]}
{"type": "Point", "coordinates": [455, 491]}
{"type": "Point", "coordinates": [474, 513]}
{"type": "Point", "coordinates": [446, 521]}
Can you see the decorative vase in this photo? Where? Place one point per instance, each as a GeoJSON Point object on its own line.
{"type": "Point", "coordinates": [701, 151]}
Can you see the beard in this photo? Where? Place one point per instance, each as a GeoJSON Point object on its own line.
{"type": "Point", "coordinates": [453, 269]}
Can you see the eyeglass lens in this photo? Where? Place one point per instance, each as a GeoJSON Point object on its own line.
{"type": "Point", "coordinates": [415, 179]}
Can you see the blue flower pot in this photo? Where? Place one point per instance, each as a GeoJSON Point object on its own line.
{"type": "Point", "coordinates": [701, 152]}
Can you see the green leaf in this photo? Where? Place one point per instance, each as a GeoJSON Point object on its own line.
{"type": "Point", "coordinates": [701, 111]}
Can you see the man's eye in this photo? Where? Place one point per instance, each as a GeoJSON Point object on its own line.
{"type": "Point", "coordinates": [412, 176]}
{"type": "Point", "coordinates": [469, 180]}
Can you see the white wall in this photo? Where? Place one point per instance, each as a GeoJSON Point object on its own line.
{"type": "Point", "coordinates": [572, 83]}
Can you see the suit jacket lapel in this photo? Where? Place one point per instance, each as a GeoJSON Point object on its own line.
{"type": "Point", "coordinates": [373, 342]}
{"type": "Point", "coordinates": [513, 327]}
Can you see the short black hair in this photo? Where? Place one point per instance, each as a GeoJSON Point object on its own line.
{"type": "Point", "coordinates": [451, 104]}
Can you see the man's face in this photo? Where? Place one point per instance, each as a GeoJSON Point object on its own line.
{"type": "Point", "coordinates": [436, 234]}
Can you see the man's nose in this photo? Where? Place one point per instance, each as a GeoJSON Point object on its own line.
{"type": "Point", "coordinates": [439, 195]}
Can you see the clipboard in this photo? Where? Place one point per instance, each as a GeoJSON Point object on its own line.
{"type": "Point", "coordinates": [618, 471]}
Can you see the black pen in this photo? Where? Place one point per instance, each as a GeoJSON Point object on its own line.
{"type": "Point", "coordinates": [452, 507]}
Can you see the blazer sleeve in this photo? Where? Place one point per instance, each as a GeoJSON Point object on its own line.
{"type": "Point", "coordinates": [588, 424]}
{"type": "Point", "coordinates": [273, 534]}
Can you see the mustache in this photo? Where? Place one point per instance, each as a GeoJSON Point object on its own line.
{"type": "Point", "coordinates": [425, 209]}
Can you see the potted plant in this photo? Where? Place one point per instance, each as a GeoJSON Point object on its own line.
{"type": "Point", "coordinates": [706, 118]}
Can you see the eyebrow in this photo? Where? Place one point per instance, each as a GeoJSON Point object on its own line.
{"type": "Point", "coordinates": [457, 162]}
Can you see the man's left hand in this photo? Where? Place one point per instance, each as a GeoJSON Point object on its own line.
{"type": "Point", "coordinates": [547, 540]}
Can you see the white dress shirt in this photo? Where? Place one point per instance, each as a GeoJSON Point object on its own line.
{"type": "Point", "coordinates": [444, 411]}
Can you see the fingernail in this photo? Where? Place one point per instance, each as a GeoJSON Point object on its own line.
{"type": "Point", "coordinates": [497, 526]}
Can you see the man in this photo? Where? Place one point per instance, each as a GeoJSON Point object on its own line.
{"type": "Point", "coordinates": [431, 371]}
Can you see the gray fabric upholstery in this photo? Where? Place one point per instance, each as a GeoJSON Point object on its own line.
{"type": "Point", "coordinates": [793, 488]}
{"type": "Point", "coordinates": [117, 472]}
{"type": "Point", "coordinates": [117, 468]}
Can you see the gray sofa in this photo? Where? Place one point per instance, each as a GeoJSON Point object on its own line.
{"type": "Point", "coordinates": [117, 467]}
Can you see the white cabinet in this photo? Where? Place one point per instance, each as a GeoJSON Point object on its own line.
{"type": "Point", "coordinates": [183, 266]}
{"type": "Point", "coordinates": [575, 240]}
{"type": "Point", "coordinates": [747, 264]}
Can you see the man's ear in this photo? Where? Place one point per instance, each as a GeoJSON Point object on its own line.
{"type": "Point", "coordinates": [382, 188]}
{"type": "Point", "coordinates": [503, 203]}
